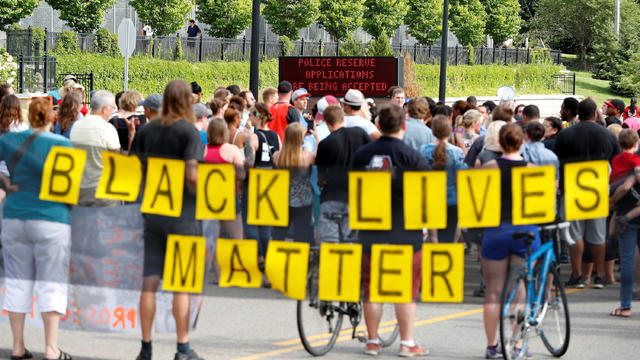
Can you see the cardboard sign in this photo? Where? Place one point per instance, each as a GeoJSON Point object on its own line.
{"type": "Point", "coordinates": [238, 260]}
{"type": "Point", "coordinates": [62, 174]}
{"type": "Point", "coordinates": [425, 202]}
{"type": "Point", "coordinates": [286, 267]}
{"type": "Point", "coordinates": [479, 198]}
{"type": "Point", "coordinates": [215, 199]}
{"type": "Point", "coordinates": [391, 274]}
{"type": "Point", "coordinates": [586, 186]}
{"type": "Point", "coordinates": [121, 177]}
{"type": "Point", "coordinates": [442, 272]}
{"type": "Point", "coordinates": [184, 263]}
{"type": "Point", "coordinates": [164, 186]}
{"type": "Point", "coordinates": [533, 194]}
{"type": "Point", "coordinates": [340, 266]}
{"type": "Point", "coordinates": [370, 200]}
{"type": "Point", "coordinates": [268, 197]}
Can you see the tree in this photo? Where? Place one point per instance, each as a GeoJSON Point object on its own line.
{"type": "Point", "coordinates": [288, 17]}
{"type": "Point", "coordinates": [383, 16]}
{"type": "Point", "coordinates": [467, 18]}
{"type": "Point", "coordinates": [424, 19]}
{"type": "Point", "coordinates": [164, 16]}
{"type": "Point", "coordinates": [341, 18]}
{"type": "Point", "coordinates": [226, 18]}
{"type": "Point", "coordinates": [380, 46]}
{"type": "Point", "coordinates": [11, 11]}
{"type": "Point", "coordinates": [503, 19]}
{"type": "Point", "coordinates": [83, 16]}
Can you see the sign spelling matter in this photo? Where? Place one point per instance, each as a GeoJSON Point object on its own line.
{"type": "Point", "coordinates": [324, 75]}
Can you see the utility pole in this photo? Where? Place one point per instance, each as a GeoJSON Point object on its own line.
{"type": "Point", "coordinates": [254, 71]}
{"type": "Point", "coordinates": [444, 47]}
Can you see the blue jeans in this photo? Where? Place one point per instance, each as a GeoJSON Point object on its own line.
{"type": "Point", "coordinates": [627, 241]}
{"type": "Point", "coordinates": [260, 233]}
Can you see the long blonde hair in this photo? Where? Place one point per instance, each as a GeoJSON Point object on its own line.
{"type": "Point", "coordinates": [291, 152]}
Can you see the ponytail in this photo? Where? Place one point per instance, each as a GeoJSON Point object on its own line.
{"type": "Point", "coordinates": [441, 130]}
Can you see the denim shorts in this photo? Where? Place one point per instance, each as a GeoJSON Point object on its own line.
{"type": "Point", "coordinates": [498, 242]}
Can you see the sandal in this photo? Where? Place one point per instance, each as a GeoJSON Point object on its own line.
{"type": "Point", "coordinates": [620, 312]}
{"type": "Point", "coordinates": [63, 356]}
{"type": "Point", "coordinates": [26, 355]}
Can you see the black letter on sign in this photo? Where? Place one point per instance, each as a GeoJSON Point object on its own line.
{"type": "Point", "coordinates": [484, 199]}
{"type": "Point", "coordinates": [424, 199]}
{"type": "Point", "coordinates": [340, 253]}
{"type": "Point", "coordinates": [112, 175]}
{"type": "Point", "coordinates": [586, 188]}
{"type": "Point", "coordinates": [526, 194]}
{"type": "Point", "coordinates": [359, 209]}
{"type": "Point", "coordinates": [236, 255]}
{"type": "Point", "coordinates": [64, 173]}
{"type": "Point", "coordinates": [442, 274]}
{"type": "Point", "coordinates": [387, 271]}
{"type": "Point", "coordinates": [265, 196]}
{"type": "Point", "coordinates": [286, 265]}
{"type": "Point", "coordinates": [167, 192]}
{"type": "Point", "coordinates": [177, 260]}
{"type": "Point", "coordinates": [206, 192]}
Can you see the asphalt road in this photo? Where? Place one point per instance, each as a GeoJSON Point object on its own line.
{"type": "Point", "coordinates": [261, 324]}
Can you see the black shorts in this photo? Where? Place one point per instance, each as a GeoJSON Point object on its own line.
{"type": "Point", "coordinates": [155, 240]}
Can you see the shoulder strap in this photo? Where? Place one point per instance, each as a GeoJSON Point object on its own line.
{"type": "Point", "coordinates": [21, 150]}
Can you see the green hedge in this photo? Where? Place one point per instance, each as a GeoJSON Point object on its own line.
{"type": "Point", "coordinates": [148, 75]}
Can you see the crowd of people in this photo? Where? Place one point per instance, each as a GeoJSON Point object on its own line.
{"type": "Point", "coordinates": [318, 145]}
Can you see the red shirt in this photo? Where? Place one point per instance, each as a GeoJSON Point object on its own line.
{"type": "Point", "coordinates": [622, 164]}
{"type": "Point", "coordinates": [280, 110]}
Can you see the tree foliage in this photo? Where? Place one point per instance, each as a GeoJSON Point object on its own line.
{"type": "Point", "coordinates": [164, 16]}
{"type": "Point", "coordinates": [288, 17]}
{"type": "Point", "coordinates": [503, 19]}
{"type": "Point", "coordinates": [83, 16]}
{"type": "Point", "coordinates": [467, 18]}
{"type": "Point", "coordinates": [383, 16]}
{"type": "Point", "coordinates": [11, 11]}
{"type": "Point", "coordinates": [380, 46]}
{"type": "Point", "coordinates": [226, 18]}
{"type": "Point", "coordinates": [424, 20]}
{"type": "Point", "coordinates": [341, 18]}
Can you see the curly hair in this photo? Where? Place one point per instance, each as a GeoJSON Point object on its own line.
{"type": "Point", "coordinates": [10, 111]}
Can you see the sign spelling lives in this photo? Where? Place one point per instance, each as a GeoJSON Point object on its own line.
{"type": "Point", "coordinates": [330, 75]}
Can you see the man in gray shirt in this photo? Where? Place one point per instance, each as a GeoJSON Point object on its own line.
{"type": "Point", "coordinates": [417, 134]}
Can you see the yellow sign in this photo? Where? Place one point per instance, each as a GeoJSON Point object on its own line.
{"type": "Point", "coordinates": [586, 186]}
{"type": "Point", "coordinates": [184, 264]}
{"type": "Point", "coordinates": [479, 198]}
{"type": "Point", "coordinates": [391, 273]}
{"type": "Point", "coordinates": [216, 192]}
{"type": "Point", "coordinates": [62, 174]}
{"type": "Point", "coordinates": [286, 267]}
{"type": "Point", "coordinates": [534, 194]}
{"type": "Point", "coordinates": [121, 177]}
{"type": "Point", "coordinates": [340, 266]}
{"type": "Point", "coordinates": [268, 197]}
{"type": "Point", "coordinates": [164, 186]}
{"type": "Point", "coordinates": [425, 200]}
{"type": "Point", "coordinates": [442, 272]}
{"type": "Point", "coordinates": [370, 200]}
{"type": "Point", "coordinates": [238, 260]}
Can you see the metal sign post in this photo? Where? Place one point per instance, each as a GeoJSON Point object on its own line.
{"type": "Point", "coordinates": [127, 45]}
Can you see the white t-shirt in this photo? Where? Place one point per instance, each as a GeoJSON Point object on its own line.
{"type": "Point", "coordinates": [358, 121]}
{"type": "Point", "coordinates": [93, 134]}
{"type": "Point", "coordinates": [147, 30]}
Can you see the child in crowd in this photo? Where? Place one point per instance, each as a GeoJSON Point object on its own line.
{"type": "Point", "coordinates": [621, 166]}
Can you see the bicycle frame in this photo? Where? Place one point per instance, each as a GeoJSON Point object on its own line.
{"type": "Point", "coordinates": [534, 300]}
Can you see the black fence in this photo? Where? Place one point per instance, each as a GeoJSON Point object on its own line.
{"type": "Point", "coordinates": [86, 80]}
{"type": "Point", "coordinates": [566, 83]}
{"type": "Point", "coordinates": [36, 73]}
{"type": "Point", "coordinates": [204, 48]}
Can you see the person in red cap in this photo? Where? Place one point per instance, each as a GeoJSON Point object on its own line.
{"type": "Point", "coordinates": [283, 112]}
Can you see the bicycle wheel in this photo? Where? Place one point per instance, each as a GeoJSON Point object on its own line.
{"type": "Point", "coordinates": [554, 326]}
{"type": "Point", "coordinates": [389, 330]}
{"type": "Point", "coordinates": [319, 322]}
{"type": "Point", "coordinates": [513, 320]}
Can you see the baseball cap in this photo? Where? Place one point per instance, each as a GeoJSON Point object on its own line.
{"type": "Point", "coordinates": [284, 86]}
{"type": "Point", "coordinates": [616, 103]}
{"type": "Point", "coordinates": [322, 105]}
{"type": "Point", "coordinates": [201, 110]}
{"type": "Point", "coordinates": [153, 102]}
{"type": "Point", "coordinates": [302, 92]}
{"type": "Point", "coordinates": [70, 77]}
{"type": "Point", "coordinates": [353, 97]}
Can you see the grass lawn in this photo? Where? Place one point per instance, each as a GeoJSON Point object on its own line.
{"type": "Point", "coordinates": [586, 85]}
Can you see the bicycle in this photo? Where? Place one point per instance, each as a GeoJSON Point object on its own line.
{"type": "Point", "coordinates": [320, 322]}
{"type": "Point", "coordinates": [534, 299]}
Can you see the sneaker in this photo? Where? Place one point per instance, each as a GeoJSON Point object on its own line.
{"type": "Point", "coordinates": [516, 353]}
{"type": "Point", "coordinates": [575, 283]}
{"type": "Point", "coordinates": [598, 283]}
{"type": "Point", "coordinates": [144, 356]}
{"type": "Point", "coordinates": [190, 356]}
{"type": "Point", "coordinates": [372, 349]}
{"type": "Point", "coordinates": [413, 351]}
{"type": "Point", "coordinates": [493, 352]}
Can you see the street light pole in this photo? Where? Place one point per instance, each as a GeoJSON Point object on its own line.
{"type": "Point", "coordinates": [254, 71]}
{"type": "Point", "coordinates": [444, 47]}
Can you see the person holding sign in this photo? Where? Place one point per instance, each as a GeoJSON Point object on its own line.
{"type": "Point", "coordinates": [36, 236]}
{"type": "Point", "coordinates": [499, 250]}
{"type": "Point", "coordinates": [390, 153]}
{"type": "Point", "coordinates": [171, 136]}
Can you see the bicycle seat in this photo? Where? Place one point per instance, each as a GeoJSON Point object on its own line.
{"type": "Point", "coordinates": [526, 236]}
